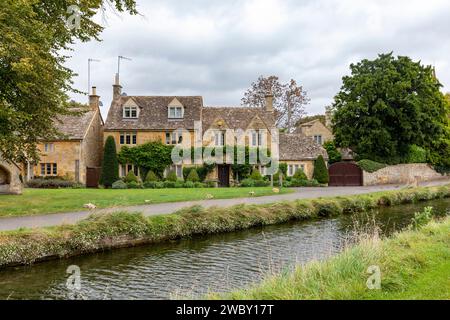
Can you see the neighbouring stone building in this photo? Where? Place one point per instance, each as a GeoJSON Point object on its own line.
{"type": "Point", "coordinates": [316, 130]}
{"type": "Point", "coordinates": [300, 152]}
{"type": "Point", "coordinates": [78, 149]}
{"type": "Point", "coordinates": [10, 178]}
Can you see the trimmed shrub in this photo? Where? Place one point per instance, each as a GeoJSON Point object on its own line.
{"type": "Point", "coordinates": [179, 184]}
{"type": "Point", "coordinates": [151, 177]}
{"type": "Point", "coordinates": [48, 183]}
{"type": "Point", "coordinates": [172, 176]}
{"type": "Point", "coordinates": [300, 175]}
{"type": "Point", "coordinates": [119, 184]}
{"type": "Point", "coordinates": [210, 183]}
{"type": "Point", "coordinates": [189, 184]}
{"type": "Point", "coordinates": [304, 183]}
{"type": "Point", "coordinates": [193, 176]}
{"type": "Point", "coordinates": [169, 184]}
{"type": "Point", "coordinates": [246, 183]}
{"type": "Point", "coordinates": [262, 183]}
{"type": "Point", "coordinates": [159, 185]}
{"type": "Point", "coordinates": [256, 175]}
{"type": "Point", "coordinates": [371, 166]}
{"type": "Point", "coordinates": [321, 171]}
{"type": "Point", "coordinates": [199, 185]}
{"type": "Point", "coordinates": [110, 165]}
{"type": "Point", "coordinates": [131, 177]}
{"type": "Point", "coordinates": [150, 184]}
{"type": "Point", "coordinates": [134, 185]}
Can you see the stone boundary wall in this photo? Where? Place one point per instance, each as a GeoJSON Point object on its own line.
{"type": "Point", "coordinates": [401, 174]}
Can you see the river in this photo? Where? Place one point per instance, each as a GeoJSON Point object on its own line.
{"type": "Point", "coordinates": [190, 268]}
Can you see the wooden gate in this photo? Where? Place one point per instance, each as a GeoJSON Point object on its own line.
{"type": "Point", "coordinates": [345, 174]}
{"type": "Point", "coordinates": [92, 177]}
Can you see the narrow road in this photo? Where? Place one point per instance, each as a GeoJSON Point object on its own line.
{"type": "Point", "coordinates": [48, 220]}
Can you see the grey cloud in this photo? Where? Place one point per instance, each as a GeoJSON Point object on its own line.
{"type": "Point", "coordinates": [217, 48]}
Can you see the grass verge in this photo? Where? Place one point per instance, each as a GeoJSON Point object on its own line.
{"type": "Point", "coordinates": [103, 232]}
{"type": "Point", "coordinates": [413, 265]}
{"type": "Point", "coordinates": [44, 201]}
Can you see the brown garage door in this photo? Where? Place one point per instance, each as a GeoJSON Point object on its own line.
{"type": "Point", "coordinates": [345, 174]}
{"type": "Point", "coordinates": [92, 177]}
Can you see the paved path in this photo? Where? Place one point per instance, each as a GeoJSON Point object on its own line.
{"type": "Point", "coordinates": [166, 208]}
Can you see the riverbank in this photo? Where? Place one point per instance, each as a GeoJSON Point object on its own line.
{"type": "Point", "coordinates": [413, 265]}
{"type": "Point", "coordinates": [104, 232]}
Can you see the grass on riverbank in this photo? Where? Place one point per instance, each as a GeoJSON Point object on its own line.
{"type": "Point", "coordinates": [102, 232]}
{"type": "Point", "coordinates": [413, 265]}
{"type": "Point", "coordinates": [42, 201]}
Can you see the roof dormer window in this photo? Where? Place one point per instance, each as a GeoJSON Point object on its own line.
{"type": "Point", "coordinates": [176, 112]}
{"type": "Point", "coordinates": [130, 112]}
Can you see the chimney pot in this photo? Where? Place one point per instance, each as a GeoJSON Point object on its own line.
{"type": "Point", "coordinates": [94, 100]}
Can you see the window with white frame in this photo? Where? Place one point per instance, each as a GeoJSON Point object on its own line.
{"type": "Point", "coordinates": [128, 138]}
{"type": "Point", "coordinates": [130, 112]}
{"type": "Point", "coordinates": [176, 112]}
{"type": "Point", "coordinates": [318, 139]}
{"type": "Point", "coordinates": [49, 147]}
{"type": "Point", "coordinates": [257, 138]}
{"type": "Point", "coordinates": [174, 137]}
{"type": "Point", "coordinates": [219, 138]}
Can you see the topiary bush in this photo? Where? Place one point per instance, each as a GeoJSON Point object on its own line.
{"type": "Point", "coordinates": [131, 177]}
{"type": "Point", "coordinates": [300, 175]}
{"type": "Point", "coordinates": [169, 184]}
{"type": "Point", "coordinates": [321, 171]}
{"type": "Point", "coordinates": [193, 176]}
{"type": "Point", "coordinates": [199, 185]}
{"type": "Point", "coordinates": [189, 184]}
{"type": "Point", "coordinates": [150, 184]}
{"type": "Point", "coordinates": [246, 183]}
{"type": "Point", "coordinates": [256, 175]}
{"type": "Point", "coordinates": [171, 176]}
{"type": "Point", "coordinates": [110, 164]}
{"type": "Point", "coordinates": [370, 166]}
{"type": "Point", "coordinates": [151, 177]}
{"type": "Point", "coordinates": [119, 184]}
{"type": "Point", "coordinates": [133, 185]}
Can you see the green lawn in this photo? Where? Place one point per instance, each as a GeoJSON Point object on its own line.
{"type": "Point", "coordinates": [41, 201]}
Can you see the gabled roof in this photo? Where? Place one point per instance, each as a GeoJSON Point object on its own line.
{"type": "Point", "coordinates": [153, 113]}
{"type": "Point", "coordinates": [74, 127]}
{"type": "Point", "coordinates": [237, 117]}
{"type": "Point", "coordinates": [297, 146]}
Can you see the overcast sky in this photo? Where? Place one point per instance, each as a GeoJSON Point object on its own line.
{"type": "Point", "coordinates": [217, 48]}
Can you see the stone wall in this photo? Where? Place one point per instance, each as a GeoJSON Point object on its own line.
{"type": "Point", "coordinates": [401, 174]}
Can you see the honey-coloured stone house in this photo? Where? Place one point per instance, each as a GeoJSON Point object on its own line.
{"type": "Point", "coordinates": [78, 150]}
{"type": "Point", "coordinates": [135, 120]}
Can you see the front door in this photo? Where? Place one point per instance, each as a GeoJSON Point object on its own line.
{"type": "Point", "coordinates": [224, 175]}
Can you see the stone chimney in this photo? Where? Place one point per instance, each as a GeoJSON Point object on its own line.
{"type": "Point", "coordinates": [94, 100]}
{"type": "Point", "coordinates": [269, 102]}
{"type": "Point", "coordinates": [328, 115]}
{"type": "Point", "coordinates": [117, 88]}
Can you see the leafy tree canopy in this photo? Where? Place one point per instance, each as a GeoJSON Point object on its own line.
{"type": "Point", "coordinates": [289, 99]}
{"type": "Point", "coordinates": [388, 104]}
{"type": "Point", "coordinates": [33, 80]}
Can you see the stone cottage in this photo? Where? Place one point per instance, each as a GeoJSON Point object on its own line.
{"type": "Point", "coordinates": [300, 152]}
{"type": "Point", "coordinates": [78, 150]}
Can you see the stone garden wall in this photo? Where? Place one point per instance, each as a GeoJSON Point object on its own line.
{"type": "Point", "coordinates": [401, 174]}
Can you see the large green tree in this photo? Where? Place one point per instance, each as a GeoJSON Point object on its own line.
{"type": "Point", "coordinates": [34, 84]}
{"type": "Point", "coordinates": [389, 104]}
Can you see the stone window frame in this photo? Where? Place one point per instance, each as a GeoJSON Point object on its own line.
{"type": "Point", "coordinates": [48, 169]}
{"type": "Point", "coordinates": [293, 168]}
{"type": "Point", "coordinates": [172, 112]}
{"type": "Point", "coordinates": [174, 137]}
{"type": "Point", "coordinates": [49, 147]}
{"type": "Point", "coordinates": [318, 138]}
